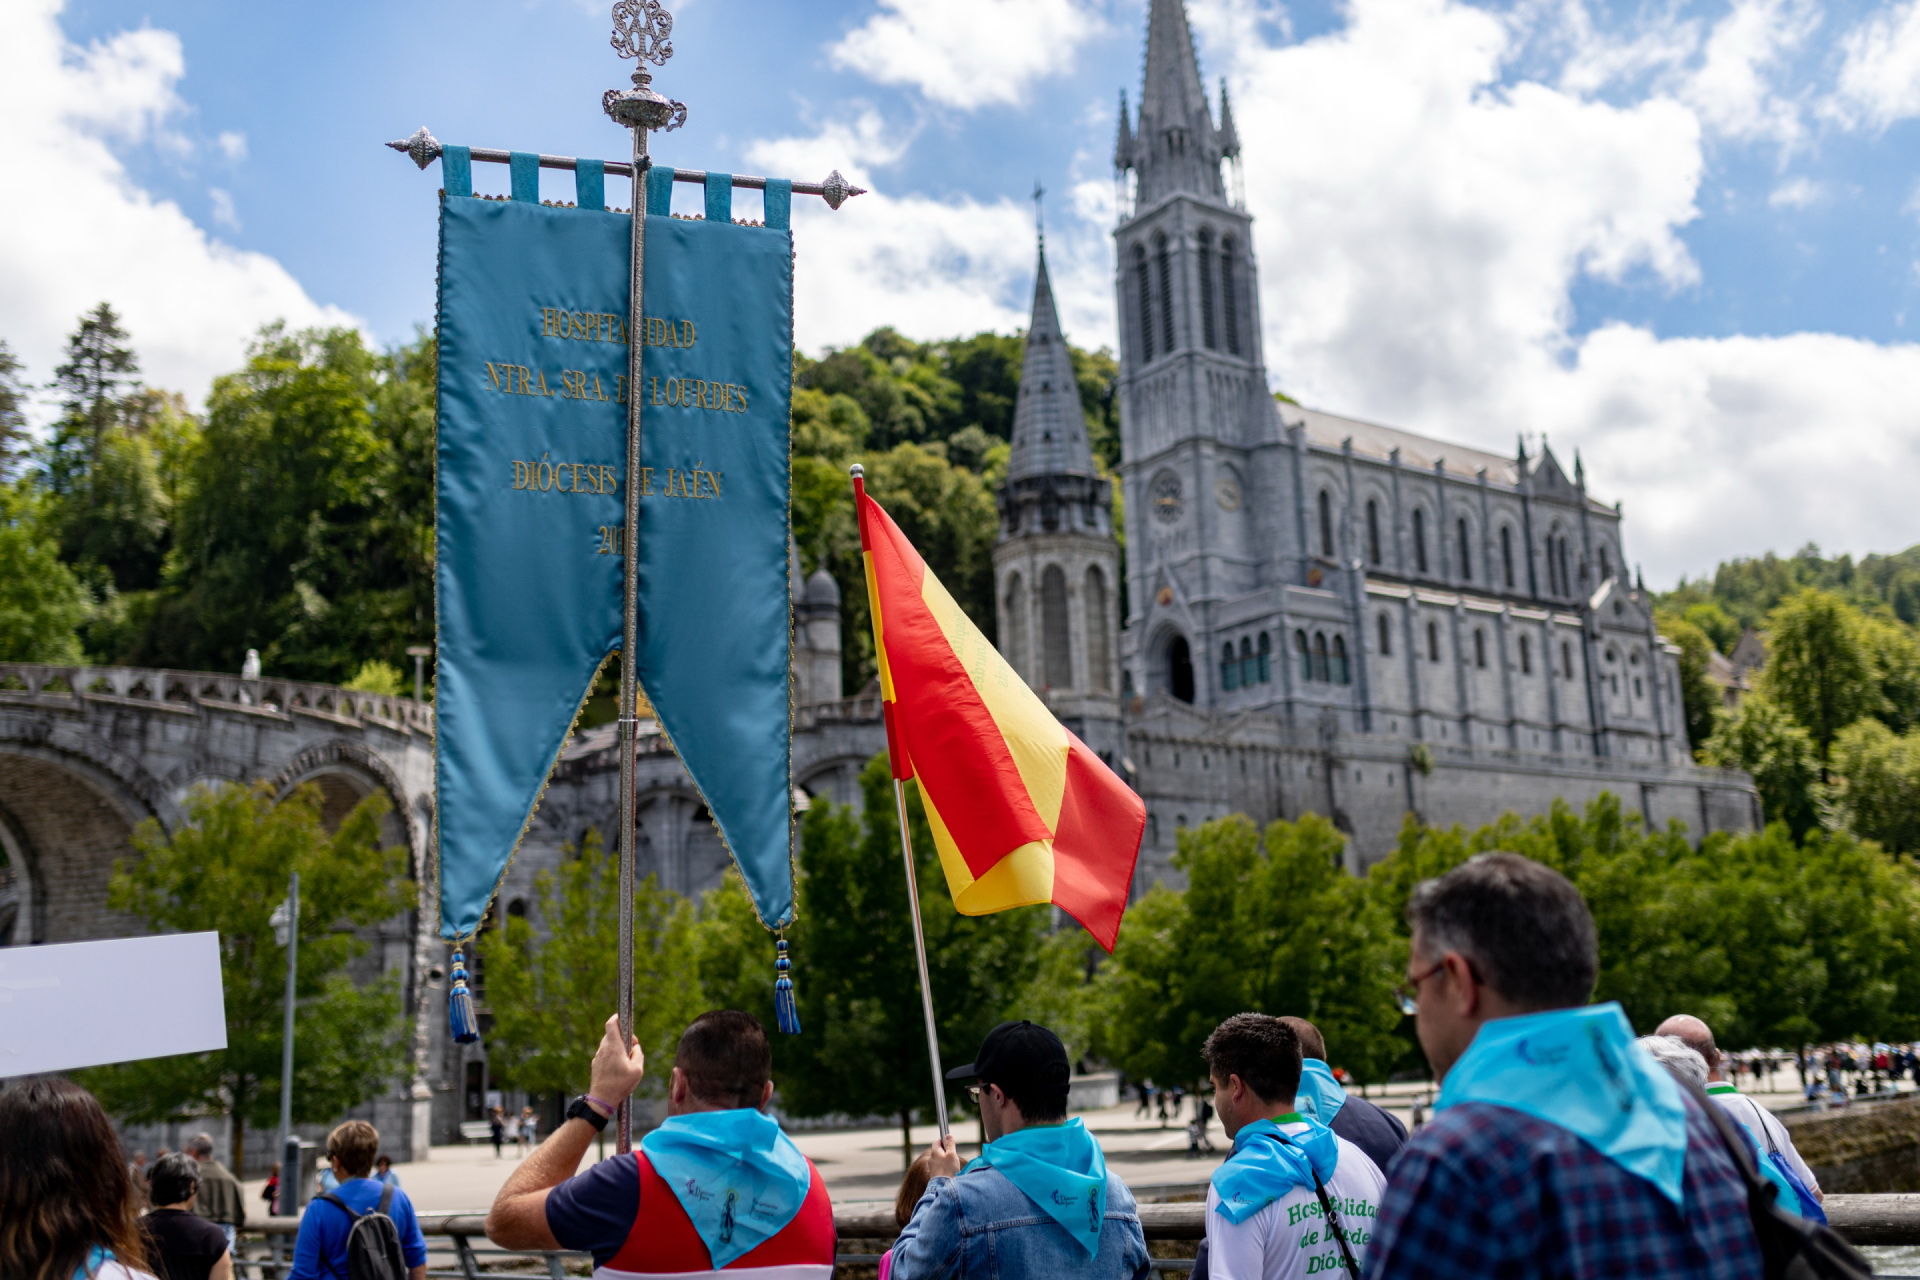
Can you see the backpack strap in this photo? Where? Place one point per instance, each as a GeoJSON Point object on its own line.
{"type": "Point", "coordinates": [1327, 1210]}
{"type": "Point", "coordinates": [342, 1205]}
{"type": "Point", "coordinates": [386, 1199]}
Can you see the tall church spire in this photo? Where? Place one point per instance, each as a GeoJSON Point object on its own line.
{"type": "Point", "coordinates": [1049, 430]}
{"type": "Point", "coordinates": [1176, 147]}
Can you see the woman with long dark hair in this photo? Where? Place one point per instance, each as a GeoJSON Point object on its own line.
{"type": "Point", "coordinates": [68, 1210]}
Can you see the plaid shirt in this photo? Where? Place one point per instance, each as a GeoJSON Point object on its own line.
{"type": "Point", "coordinates": [1485, 1192]}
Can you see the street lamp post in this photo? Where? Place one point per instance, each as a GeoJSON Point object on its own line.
{"type": "Point", "coordinates": [419, 653]}
{"type": "Point", "coordinates": [286, 931]}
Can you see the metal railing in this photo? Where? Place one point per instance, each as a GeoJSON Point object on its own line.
{"type": "Point", "coordinates": [458, 1249]}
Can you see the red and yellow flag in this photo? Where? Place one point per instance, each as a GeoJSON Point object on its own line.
{"type": "Point", "coordinates": [1022, 811]}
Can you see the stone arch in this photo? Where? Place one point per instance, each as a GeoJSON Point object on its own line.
{"type": "Point", "coordinates": [1013, 631]}
{"type": "Point", "coordinates": [1099, 635]}
{"type": "Point", "coordinates": [347, 773]}
{"type": "Point", "coordinates": [1172, 664]}
{"type": "Point", "coordinates": [1056, 646]}
{"type": "Point", "coordinates": [68, 806]}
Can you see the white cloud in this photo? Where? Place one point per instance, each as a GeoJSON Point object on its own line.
{"type": "Point", "coordinates": [233, 146]}
{"type": "Point", "coordinates": [1879, 80]}
{"type": "Point", "coordinates": [968, 55]}
{"type": "Point", "coordinates": [1798, 193]}
{"type": "Point", "coordinates": [223, 211]}
{"type": "Point", "coordinates": [1732, 90]}
{"type": "Point", "coordinates": [190, 301]}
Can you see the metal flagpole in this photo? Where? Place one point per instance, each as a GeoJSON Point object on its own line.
{"type": "Point", "coordinates": [896, 754]}
{"type": "Point", "coordinates": [640, 31]}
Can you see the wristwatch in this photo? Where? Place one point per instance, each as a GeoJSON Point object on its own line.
{"type": "Point", "coordinates": [581, 1109]}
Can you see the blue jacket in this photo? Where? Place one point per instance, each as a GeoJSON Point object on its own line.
{"type": "Point", "coordinates": [979, 1226]}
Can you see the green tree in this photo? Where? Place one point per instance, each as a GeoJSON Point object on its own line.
{"type": "Point", "coordinates": [1274, 924]}
{"type": "Point", "coordinates": [1766, 742]}
{"type": "Point", "coordinates": [550, 986]}
{"type": "Point", "coordinates": [1716, 622]}
{"type": "Point", "coordinates": [223, 871]}
{"type": "Point", "coordinates": [1819, 667]}
{"type": "Point", "coordinates": [376, 676]}
{"type": "Point", "coordinates": [93, 383]}
{"type": "Point", "coordinates": [1895, 654]}
{"type": "Point", "coordinates": [41, 602]}
{"type": "Point", "coordinates": [1878, 796]}
{"type": "Point", "coordinates": [13, 414]}
{"type": "Point", "coordinates": [1699, 698]}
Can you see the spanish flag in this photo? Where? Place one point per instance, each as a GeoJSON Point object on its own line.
{"type": "Point", "coordinates": [1022, 811]}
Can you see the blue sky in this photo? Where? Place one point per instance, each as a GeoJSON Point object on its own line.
{"type": "Point", "coordinates": [1683, 238]}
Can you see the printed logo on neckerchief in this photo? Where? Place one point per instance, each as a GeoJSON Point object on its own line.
{"type": "Point", "coordinates": [694, 1190]}
{"type": "Point", "coordinates": [1611, 1065]}
{"type": "Point", "coordinates": [726, 1216]}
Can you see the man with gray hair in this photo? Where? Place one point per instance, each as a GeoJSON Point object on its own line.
{"type": "Point", "coordinates": [1766, 1128]}
{"type": "Point", "coordinates": [220, 1200]}
{"type": "Point", "coordinates": [1682, 1061]}
{"type": "Point", "coordinates": [1558, 1146]}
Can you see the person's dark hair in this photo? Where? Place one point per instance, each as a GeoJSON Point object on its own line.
{"type": "Point", "coordinates": [353, 1144]}
{"type": "Point", "coordinates": [200, 1146]}
{"type": "Point", "coordinates": [912, 1187]}
{"type": "Point", "coordinates": [174, 1179]}
{"type": "Point", "coordinates": [1262, 1050]}
{"type": "Point", "coordinates": [1523, 926]}
{"type": "Point", "coordinates": [726, 1058]}
{"type": "Point", "coordinates": [385, 1159]}
{"type": "Point", "coordinates": [1312, 1043]}
{"type": "Point", "coordinates": [1040, 1101]}
{"type": "Point", "coordinates": [64, 1184]}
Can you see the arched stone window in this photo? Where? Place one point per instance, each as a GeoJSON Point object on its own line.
{"type": "Point", "coordinates": [1419, 540]}
{"type": "Point", "coordinates": [1506, 555]}
{"type": "Point", "coordinates": [1320, 656]}
{"type": "Point", "coordinates": [1304, 655]}
{"type": "Point", "coordinates": [1163, 273]}
{"type": "Point", "coordinates": [1229, 669]}
{"type": "Point", "coordinates": [1055, 649]}
{"type": "Point", "coordinates": [1099, 646]}
{"type": "Point", "coordinates": [1248, 673]}
{"type": "Point", "coordinates": [1180, 669]}
{"type": "Point", "coordinates": [1526, 656]}
{"type": "Point", "coordinates": [1433, 642]}
{"type": "Point", "coordinates": [1373, 532]}
{"type": "Point", "coordinates": [1230, 294]}
{"type": "Point", "coordinates": [1479, 648]}
{"type": "Point", "coordinates": [1013, 628]}
{"type": "Point", "coordinates": [1205, 260]}
{"type": "Point", "coordinates": [1340, 672]}
{"type": "Point", "coordinates": [1386, 635]}
{"type": "Point", "coordinates": [1266, 658]}
{"type": "Point", "coordinates": [1606, 563]}
{"type": "Point", "coordinates": [1566, 659]}
{"type": "Point", "coordinates": [1466, 552]}
{"type": "Point", "coordinates": [1143, 302]}
{"type": "Point", "coordinates": [1326, 524]}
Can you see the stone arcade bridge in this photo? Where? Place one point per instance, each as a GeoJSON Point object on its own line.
{"type": "Point", "coordinates": [88, 753]}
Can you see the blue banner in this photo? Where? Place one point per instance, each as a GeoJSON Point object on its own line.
{"type": "Point", "coordinates": [533, 322]}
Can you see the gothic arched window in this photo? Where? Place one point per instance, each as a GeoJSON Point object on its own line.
{"type": "Point", "coordinates": [1054, 648]}
{"type": "Point", "coordinates": [1479, 648]}
{"type": "Point", "coordinates": [1386, 636]}
{"type": "Point", "coordinates": [1099, 651]}
{"type": "Point", "coordinates": [1266, 658]}
{"type": "Point", "coordinates": [1373, 532]}
{"type": "Point", "coordinates": [1326, 524]}
{"type": "Point", "coordinates": [1229, 669]}
{"type": "Point", "coordinates": [1320, 656]}
{"type": "Point", "coordinates": [1566, 570]}
{"type": "Point", "coordinates": [1419, 540]}
{"type": "Point", "coordinates": [1143, 302]}
{"type": "Point", "coordinates": [1163, 273]}
{"type": "Point", "coordinates": [1466, 552]}
{"type": "Point", "coordinates": [1248, 674]}
{"type": "Point", "coordinates": [1341, 673]}
{"type": "Point", "coordinates": [1303, 654]}
{"type": "Point", "coordinates": [1506, 554]}
{"type": "Point", "coordinates": [1014, 628]}
{"type": "Point", "coordinates": [1433, 642]}
{"type": "Point", "coordinates": [1526, 657]}
{"type": "Point", "coordinates": [1180, 669]}
{"type": "Point", "coordinates": [1229, 294]}
{"type": "Point", "coordinates": [1205, 259]}
{"type": "Point", "coordinates": [1606, 563]}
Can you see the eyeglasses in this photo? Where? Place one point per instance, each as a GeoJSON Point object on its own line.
{"type": "Point", "coordinates": [973, 1094]}
{"type": "Point", "coordinates": [1406, 996]}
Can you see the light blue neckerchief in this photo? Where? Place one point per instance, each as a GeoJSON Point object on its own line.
{"type": "Point", "coordinates": [1320, 1096]}
{"type": "Point", "coordinates": [97, 1258]}
{"type": "Point", "coordinates": [1268, 1162]}
{"type": "Point", "coordinates": [740, 1179]}
{"type": "Point", "coordinates": [1060, 1168]}
{"type": "Point", "coordinates": [1580, 1069]}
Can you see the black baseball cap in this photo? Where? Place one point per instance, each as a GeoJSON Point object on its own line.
{"type": "Point", "coordinates": [1021, 1058]}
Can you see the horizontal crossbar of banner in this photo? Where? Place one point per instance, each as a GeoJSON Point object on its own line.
{"type": "Point", "coordinates": [423, 148]}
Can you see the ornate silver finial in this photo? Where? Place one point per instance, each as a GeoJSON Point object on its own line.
{"type": "Point", "coordinates": [423, 148]}
{"type": "Point", "coordinates": [640, 31]}
{"type": "Point", "coordinates": [836, 189]}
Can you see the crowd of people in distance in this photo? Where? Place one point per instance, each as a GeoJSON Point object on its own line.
{"type": "Point", "coordinates": [505, 1128]}
{"type": "Point", "coordinates": [1559, 1144]}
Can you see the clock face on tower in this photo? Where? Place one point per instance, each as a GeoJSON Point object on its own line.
{"type": "Point", "coordinates": [1226, 492]}
{"type": "Point", "coordinates": [1166, 499]}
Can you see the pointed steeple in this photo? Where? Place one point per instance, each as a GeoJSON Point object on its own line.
{"type": "Point", "coordinates": [1178, 148]}
{"type": "Point", "coordinates": [1229, 136]}
{"type": "Point", "coordinates": [1123, 137]}
{"type": "Point", "coordinates": [1049, 430]}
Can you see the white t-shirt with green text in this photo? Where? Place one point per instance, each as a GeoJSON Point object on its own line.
{"type": "Point", "coordinates": [1289, 1239]}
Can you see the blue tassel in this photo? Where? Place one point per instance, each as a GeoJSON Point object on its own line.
{"type": "Point", "coordinates": [460, 1016]}
{"type": "Point", "coordinates": [784, 1009]}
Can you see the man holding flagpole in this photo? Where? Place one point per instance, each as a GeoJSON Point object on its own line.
{"type": "Point", "coordinates": [1039, 1202]}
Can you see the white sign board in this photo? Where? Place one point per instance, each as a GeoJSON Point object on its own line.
{"type": "Point", "coordinates": [82, 1004]}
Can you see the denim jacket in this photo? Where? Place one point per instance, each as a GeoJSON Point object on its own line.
{"type": "Point", "coordinates": [979, 1226]}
